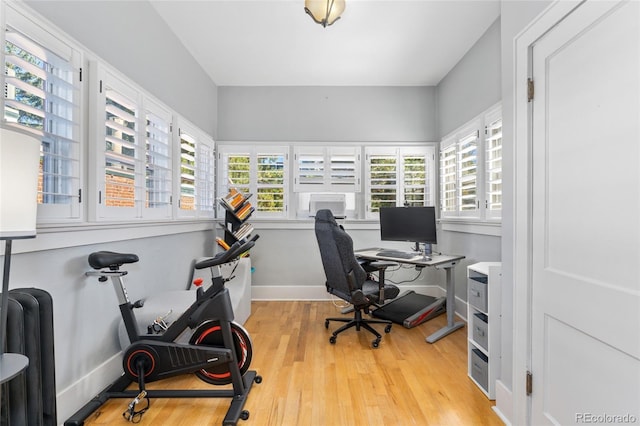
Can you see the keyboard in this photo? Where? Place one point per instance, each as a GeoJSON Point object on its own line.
{"type": "Point", "coordinates": [397, 254]}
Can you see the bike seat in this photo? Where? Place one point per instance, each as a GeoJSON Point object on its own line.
{"type": "Point", "coordinates": [102, 259]}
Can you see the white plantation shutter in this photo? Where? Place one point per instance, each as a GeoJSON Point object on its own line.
{"type": "Point", "coordinates": [471, 169]}
{"type": "Point", "coordinates": [261, 171]}
{"type": "Point", "coordinates": [270, 183]}
{"type": "Point", "coordinates": [122, 144]}
{"type": "Point", "coordinates": [382, 179]}
{"type": "Point", "coordinates": [417, 177]}
{"type": "Point", "coordinates": [448, 179]}
{"type": "Point", "coordinates": [42, 96]}
{"type": "Point", "coordinates": [327, 169]}
{"type": "Point", "coordinates": [205, 177]}
{"type": "Point", "coordinates": [344, 169]}
{"type": "Point", "coordinates": [398, 176]}
{"type": "Point", "coordinates": [310, 169]}
{"type": "Point", "coordinates": [120, 149]}
{"type": "Point", "coordinates": [493, 168]}
{"type": "Point", "coordinates": [197, 173]}
{"type": "Point", "coordinates": [158, 161]}
{"type": "Point", "coordinates": [467, 173]}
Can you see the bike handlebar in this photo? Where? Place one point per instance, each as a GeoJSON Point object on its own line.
{"type": "Point", "coordinates": [234, 251]}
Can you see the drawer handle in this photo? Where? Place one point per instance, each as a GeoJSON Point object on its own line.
{"type": "Point", "coordinates": [477, 367]}
{"type": "Point", "coordinates": [475, 293]}
{"type": "Point", "coordinates": [480, 331]}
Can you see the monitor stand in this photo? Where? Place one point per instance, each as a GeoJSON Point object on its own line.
{"type": "Point", "coordinates": [426, 251]}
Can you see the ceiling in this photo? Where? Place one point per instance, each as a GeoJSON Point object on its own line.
{"type": "Point", "coordinates": [375, 43]}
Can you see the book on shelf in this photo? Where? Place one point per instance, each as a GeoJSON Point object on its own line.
{"type": "Point", "coordinates": [243, 231]}
{"type": "Point", "coordinates": [233, 200]}
{"type": "Point", "coordinates": [222, 243]}
{"type": "Point", "coordinates": [244, 211]}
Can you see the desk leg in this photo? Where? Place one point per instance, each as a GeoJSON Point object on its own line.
{"type": "Point", "coordinates": [451, 309]}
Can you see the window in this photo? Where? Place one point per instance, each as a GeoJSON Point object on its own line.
{"type": "Point", "coordinates": [197, 173]}
{"type": "Point", "coordinates": [42, 93]}
{"type": "Point", "coordinates": [258, 170]}
{"type": "Point", "coordinates": [158, 170]}
{"type": "Point", "coordinates": [471, 169]}
{"type": "Point", "coordinates": [138, 159]}
{"type": "Point", "coordinates": [119, 148]}
{"type": "Point", "coordinates": [327, 169]}
{"type": "Point", "coordinates": [397, 176]}
{"type": "Point", "coordinates": [493, 167]}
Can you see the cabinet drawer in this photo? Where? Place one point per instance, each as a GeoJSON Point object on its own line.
{"type": "Point", "coordinates": [478, 292]}
{"type": "Point", "coordinates": [480, 329]}
{"type": "Point", "coordinates": [480, 368]}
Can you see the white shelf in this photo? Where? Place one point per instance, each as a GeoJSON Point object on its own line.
{"type": "Point", "coordinates": [484, 321]}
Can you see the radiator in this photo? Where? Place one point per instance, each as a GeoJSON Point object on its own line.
{"type": "Point", "coordinates": [30, 398]}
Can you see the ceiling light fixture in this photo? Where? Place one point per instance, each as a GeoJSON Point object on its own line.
{"type": "Point", "coordinates": [324, 12]}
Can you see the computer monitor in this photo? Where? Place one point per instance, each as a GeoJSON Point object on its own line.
{"type": "Point", "coordinates": [414, 224]}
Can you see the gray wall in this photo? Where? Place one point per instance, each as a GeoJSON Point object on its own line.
{"type": "Point", "coordinates": [133, 38]}
{"type": "Point", "coordinates": [289, 257]}
{"type": "Point", "coordinates": [471, 87]}
{"type": "Point", "coordinates": [327, 114]}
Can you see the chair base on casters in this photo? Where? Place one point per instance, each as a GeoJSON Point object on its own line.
{"type": "Point", "coordinates": [358, 322]}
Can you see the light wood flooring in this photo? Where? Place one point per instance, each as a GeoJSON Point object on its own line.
{"type": "Point", "coordinates": [308, 381]}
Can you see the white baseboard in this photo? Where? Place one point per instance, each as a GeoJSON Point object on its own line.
{"type": "Point", "coordinates": [504, 403]}
{"type": "Point", "coordinates": [74, 397]}
{"type": "Point", "coordinates": [317, 292]}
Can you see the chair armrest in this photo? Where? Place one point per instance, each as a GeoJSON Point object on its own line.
{"type": "Point", "coordinates": [381, 264]}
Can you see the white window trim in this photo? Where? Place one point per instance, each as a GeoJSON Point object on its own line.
{"type": "Point", "coordinates": [252, 150]}
{"type": "Point", "coordinates": [482, 223]}
{"type": "Point", "coordinates": [43, 33]}
{"type": "Point", "coordinates": [182, 125]}
{"type": "Point", "coordinates": [400, 150]}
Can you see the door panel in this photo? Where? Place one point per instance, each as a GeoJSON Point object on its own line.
{"type": "Point", "coordinates": [586, 216]}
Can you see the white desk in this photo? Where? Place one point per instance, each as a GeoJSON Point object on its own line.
{"type": "Point", "coordinates": [438, 261]}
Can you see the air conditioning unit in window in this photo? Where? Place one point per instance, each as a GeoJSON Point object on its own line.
{"type": "Point", "coordinates": [334, 202]}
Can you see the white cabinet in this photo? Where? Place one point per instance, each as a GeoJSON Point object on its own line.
{"type": "Point", "coordinates": [483, 330]}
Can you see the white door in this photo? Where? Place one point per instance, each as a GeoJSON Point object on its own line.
{"type": "Point", "coordinates": [585, 324]}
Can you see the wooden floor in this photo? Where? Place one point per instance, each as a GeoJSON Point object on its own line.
{"type": "Point", "coordinates": [308, 381]}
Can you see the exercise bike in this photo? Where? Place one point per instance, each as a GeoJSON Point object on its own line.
{"type": "Point", "coordinates": [218, 352]}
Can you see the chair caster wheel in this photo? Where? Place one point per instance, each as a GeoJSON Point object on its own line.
{"type": "Point", "coordinates": [244, 415]}
{"type": "Point", "coordinates": [375, 344]}
{"type": "Point", "coordinates": [257, 379]}
{"type": "Point", "coordinates": [332, 340]}
{"type": "Point", "coordinates": [326, 324]}
{"type": "Point", "coordinates": [387, 329]}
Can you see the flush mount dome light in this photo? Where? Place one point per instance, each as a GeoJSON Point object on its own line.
{"type": "Point", "coordinates": [324, 12]}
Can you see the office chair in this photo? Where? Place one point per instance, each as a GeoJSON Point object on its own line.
{"type": "Point", "coordinates": [347, 279]}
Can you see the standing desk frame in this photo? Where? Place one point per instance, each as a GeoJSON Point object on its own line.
{"type": "Point", "coordinates": [438, 261]}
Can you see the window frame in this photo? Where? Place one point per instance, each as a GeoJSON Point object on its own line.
{"type": "Point", "coordinates": [44, 38]}
{"type": "Point", "coordinates": [479, 217]}
{"type": "Point", "coordinates": [328, 173]}
{"type": "Point", "coordinates": [253, 151]}
{"type": "Point", "coordinates": [400, 153]}
{"type": "Point", "coordinates": [204, 171]}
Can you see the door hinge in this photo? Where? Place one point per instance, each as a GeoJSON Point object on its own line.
{"type": "Point", "coordinates": [530, 89]}
{"type": "Point", "coordinates": [529, 383]}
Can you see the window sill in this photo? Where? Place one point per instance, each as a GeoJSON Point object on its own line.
{"type": "Point", "coordinates": [50, 237]}
{"type": "Point", "coordinates": [492, 228]}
